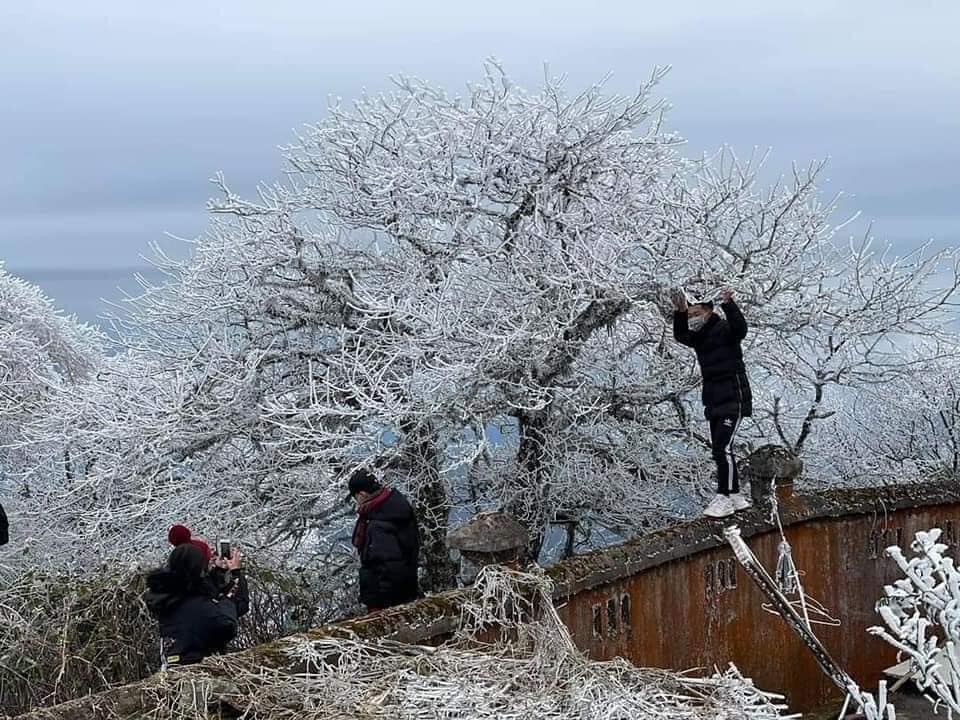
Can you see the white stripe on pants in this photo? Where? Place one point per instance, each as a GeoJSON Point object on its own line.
{"type": "Point", "coordinates": [731, 460]}
{"type": "Point", "coordinates": [727, 479]}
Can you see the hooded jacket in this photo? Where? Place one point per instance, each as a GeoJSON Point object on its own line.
{"type": "Point", "coordinates": [389, 554]}
{"type": "Point", "coordinates": [726, 388]}
{"type": "Point", "coordinates": [194, 623]}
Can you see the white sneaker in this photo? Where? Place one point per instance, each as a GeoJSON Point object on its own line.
{"type": "Point", "coordinates": [740, 502]}
{"type": "Point", "coordinates": [721, 506]}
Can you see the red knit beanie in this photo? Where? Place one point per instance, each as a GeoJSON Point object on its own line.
{"type": "Point", "coordinates": [207, 552]}
{"type": "Point", "coordinates": [180, 534]}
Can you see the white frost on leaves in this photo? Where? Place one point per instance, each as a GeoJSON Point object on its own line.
{"type": "Point", "coordinates": [921, 615]}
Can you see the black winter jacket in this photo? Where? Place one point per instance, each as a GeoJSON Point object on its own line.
{"type": "Point", "coordinates": [390, 554]}
{"type": "Point", "coordinates": [4, 527]}
{"type": "Point", "coordinates": [196, 624]}
{"type": "Point", "coordinates": [726, 389]}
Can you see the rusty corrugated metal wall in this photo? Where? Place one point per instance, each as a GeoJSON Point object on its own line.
{"type": "Point", "coordinates": [702, 610]}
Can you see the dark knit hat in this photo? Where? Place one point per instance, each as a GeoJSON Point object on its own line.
{"type": "Point", "coordinates": [362, 481]}
{"type": "Point", "coordinates": [180, 535]}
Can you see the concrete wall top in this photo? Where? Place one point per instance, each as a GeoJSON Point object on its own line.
{"type": "Point", "coordinates": [617, 562]}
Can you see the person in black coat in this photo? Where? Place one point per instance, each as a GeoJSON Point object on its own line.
{"type": "Point", "coordinates": [388, 540]}
{"type": "Point", "coordinates": [198, 611]}
{"type": "Point", "coordinates": [726, 390]}
{"type": "Point", "coordinates": [4, 527]}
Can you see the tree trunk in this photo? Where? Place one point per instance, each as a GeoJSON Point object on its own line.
{"type": "Point", "coordinates": [432, 504]}
{"type": "Point", "coordinates": [532, 482]}
{"type": "Point", "coordinates": [568, 548]}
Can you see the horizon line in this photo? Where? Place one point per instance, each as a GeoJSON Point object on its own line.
{"type": "Point", "coordinates": [66, 268]}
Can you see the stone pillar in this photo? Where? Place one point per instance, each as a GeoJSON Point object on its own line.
{"type": "Point", "coordinates": [488, 538]}
{"type": "Point", "coordinates": [771, 466]}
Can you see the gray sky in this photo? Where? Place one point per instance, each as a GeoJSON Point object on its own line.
{"type": "Point", "coordinates": [116, 113]}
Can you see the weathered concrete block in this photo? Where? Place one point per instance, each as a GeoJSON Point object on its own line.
{"type": "Point", "coordinates": [771, 465]}
{"type": "Point", "coordinates": [489, 538]}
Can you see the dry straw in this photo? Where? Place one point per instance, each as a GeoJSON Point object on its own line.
{"type": "Point", "coordinates": [511, 659]}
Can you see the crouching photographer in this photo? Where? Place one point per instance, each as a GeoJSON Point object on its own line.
{"type": "Point", "coordinates": [198, 600]}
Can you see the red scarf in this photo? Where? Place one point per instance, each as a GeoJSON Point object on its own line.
{"type": "Point", "coordinates": [363, 512]}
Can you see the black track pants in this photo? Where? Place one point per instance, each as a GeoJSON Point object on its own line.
{"type": "Point", "coordinates": [723, 430]}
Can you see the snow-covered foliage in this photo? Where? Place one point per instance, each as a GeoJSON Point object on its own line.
{"type": "Point", "coordinates": [40, 349]}
{"type": "Point", "coordinates": [921, 614]}
{"type": "Point", "coordinates": [472, 294]}
{"type": "Point", "coordinates": [873, 322]}
{"type": "Point", "coordinates": [66, 635]}
{"type": "Point", "coordinates": [907, 428]}
{"type": "Point", "coordinates": [42, 352]}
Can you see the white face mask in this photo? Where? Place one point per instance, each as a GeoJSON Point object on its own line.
{"type": "Point", "coordinates": [696, 323]}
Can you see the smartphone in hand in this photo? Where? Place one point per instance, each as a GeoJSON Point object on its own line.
{"type": "Point", "coordinates": [224, 549]}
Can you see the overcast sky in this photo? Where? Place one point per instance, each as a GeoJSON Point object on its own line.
{"type": "Point", "coordinates": [116, 113]}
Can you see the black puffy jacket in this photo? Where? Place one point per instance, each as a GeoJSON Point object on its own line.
{"type": "Point", "coordinates": [4, 527]}
{"type": "Point", "coordinates": [196, 623]}
{"type": "Point", "coordinates": [390, 554]}
{"type": "Point", "coordinates": [726, 389]}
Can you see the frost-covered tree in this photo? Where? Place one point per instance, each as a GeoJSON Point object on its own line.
{"type": "Point", "coordinates": [41, 352]}
{"type": "Point", "coordinates": [471, 294]}
{"type": "Point", "coordinates": [926, 430]}
{"type": "Point", "coordinates": [874, 325]}
{"type": "Point", "coordinates": [906, 427]}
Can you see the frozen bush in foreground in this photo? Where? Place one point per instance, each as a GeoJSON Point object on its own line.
{"type": "Point", "coordinates": [921, 614]}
